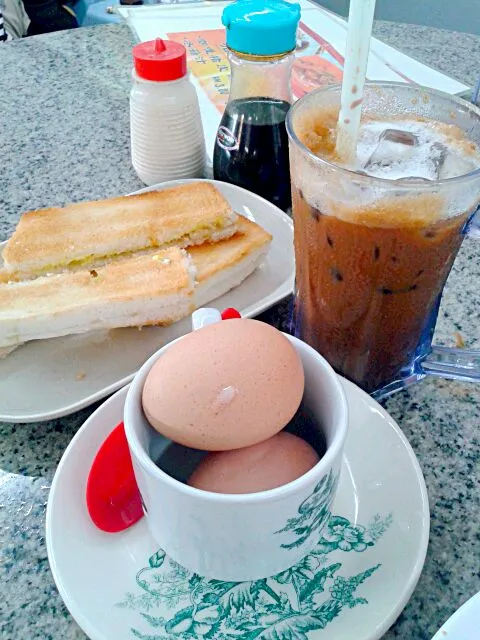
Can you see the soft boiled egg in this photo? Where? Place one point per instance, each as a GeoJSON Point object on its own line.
{"type": "Point", "coordinates": [228, 385]}
{"type": "Point", "coordinates": [267, 465]}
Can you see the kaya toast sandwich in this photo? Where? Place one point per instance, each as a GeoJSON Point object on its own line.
{"type": "Point", "coordinates": [157, 287]}
{"type": "Point", "coordinates": [89, 233]}
{"type": "Point", "coordinates": [147, 289]}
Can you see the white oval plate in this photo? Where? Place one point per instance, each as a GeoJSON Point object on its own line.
{"type": "Point", "coordinates": [47, 379]}
{"type": "Point", "coordinates": [356, 583]}
{"type": "Point", "coordinates": [464, 624]}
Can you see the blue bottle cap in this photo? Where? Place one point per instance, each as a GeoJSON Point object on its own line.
{"type": "Point", "coordinates": [261, 27]}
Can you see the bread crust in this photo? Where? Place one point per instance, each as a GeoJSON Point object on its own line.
{"type": "Point", "coordinates": [50, 240]}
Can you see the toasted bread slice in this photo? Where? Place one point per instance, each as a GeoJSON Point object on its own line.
{"type": "Point", "coordinates": [87, 233]}
{"type": "Point", "coordinates": [153, 289]}
{"type": "Point", "coordinates": [221, 267]}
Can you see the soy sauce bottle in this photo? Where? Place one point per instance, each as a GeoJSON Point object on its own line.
{"type": "Point", "coordinates": [251, 147]}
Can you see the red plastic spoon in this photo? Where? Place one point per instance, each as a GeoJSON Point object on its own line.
{"type": "Point", "coordinates": [113, 499]}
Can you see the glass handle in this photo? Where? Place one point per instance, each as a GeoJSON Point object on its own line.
{"type": "Point", "coordinates": [456, 364]}
{"type": "Point", "coordinates": [448, 362]}
{"type": "Point", "coordinates": [473, 226]}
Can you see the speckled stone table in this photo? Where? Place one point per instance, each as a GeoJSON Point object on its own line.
{"type": "Point", "coordinates": [64, 137]}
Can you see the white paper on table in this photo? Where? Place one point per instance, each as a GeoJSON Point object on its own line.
{"type": "Point", "coordinates": [385, 63]}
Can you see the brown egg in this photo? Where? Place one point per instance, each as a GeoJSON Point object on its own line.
{"type": "Point", "coordinates": [228, 385]}
{"type": "Point", "coordinates": [269, 464]}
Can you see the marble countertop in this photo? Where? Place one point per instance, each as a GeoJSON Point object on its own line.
{"type": "Point", "coordinates": [65, 137]}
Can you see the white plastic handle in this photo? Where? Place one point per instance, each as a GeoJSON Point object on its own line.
{"type": "Point", "coordinates": [205, 316]}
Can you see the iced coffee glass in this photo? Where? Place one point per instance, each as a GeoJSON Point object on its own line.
{"type": "Point", "coordinates": [374, 242]}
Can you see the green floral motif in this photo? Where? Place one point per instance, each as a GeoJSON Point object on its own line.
{"type": "Point", "coordinates": [378, 526]}
{"type": "Point", "coordinates": [313, 513]}
{"type": "Point", "coordinates": [175, 604]}
{"type": "Point", "coordinates": [340, 534]}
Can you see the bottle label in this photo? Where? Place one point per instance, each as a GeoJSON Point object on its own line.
{"type": "Point", "coordinates": [226, 139]}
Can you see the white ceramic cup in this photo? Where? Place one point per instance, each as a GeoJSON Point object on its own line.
{"type": "Point", "coordinates": [246, 536]}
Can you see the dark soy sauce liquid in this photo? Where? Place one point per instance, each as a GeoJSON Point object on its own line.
{"type": "Point", "coordinates": [251, 149]}
{"type": "Point", "coordinates": [180, 462]}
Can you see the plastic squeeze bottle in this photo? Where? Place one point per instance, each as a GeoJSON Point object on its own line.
{"type": "Point", "coordinates": [167, 140]}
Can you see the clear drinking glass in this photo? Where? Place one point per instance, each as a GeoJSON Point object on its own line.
{"type": "Point", "coordinates": [373, 254]}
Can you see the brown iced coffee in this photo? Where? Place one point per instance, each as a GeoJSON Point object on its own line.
{"type": "Point", "coordinates": [374, 243]}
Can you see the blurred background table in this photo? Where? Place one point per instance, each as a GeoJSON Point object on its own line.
{"type": "Point", "coordinates": [65, 137]}
{"type": "Point", "coordinates": [462, 15]}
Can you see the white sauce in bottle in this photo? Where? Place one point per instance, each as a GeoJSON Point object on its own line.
{"type": "Point", "coordinates": [167, 140]}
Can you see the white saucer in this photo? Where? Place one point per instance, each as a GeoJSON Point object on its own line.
{"type": "Point", "coordinates": [464, 624]}
{"type": "Point", "coordinates": [47, 379]}
{"type": "Point", "coordinates": [356, 583]}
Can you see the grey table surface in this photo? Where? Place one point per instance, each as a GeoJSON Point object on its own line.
{"type": "Point", "coordinates": [65, 137]}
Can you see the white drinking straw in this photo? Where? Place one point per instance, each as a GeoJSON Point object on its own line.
{"type": "Point", "coordinates": [360, 23]}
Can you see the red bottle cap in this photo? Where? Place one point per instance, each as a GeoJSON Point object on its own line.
{"type": "Point", "coordinates": [160, 60]}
